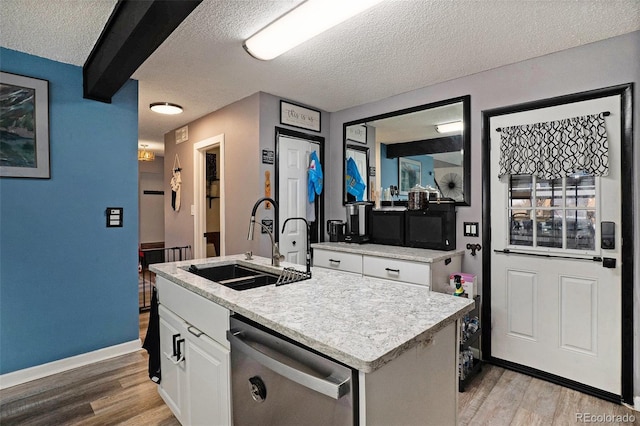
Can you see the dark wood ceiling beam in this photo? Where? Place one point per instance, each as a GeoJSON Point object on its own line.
{"type": "Point", "coordinates": [426, 146]}
{"type": "Point", "coordinates": [135, 29]}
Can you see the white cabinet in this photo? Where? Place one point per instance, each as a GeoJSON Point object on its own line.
{"type": "Point", "coordinates": [370, 260]}
{"type": "Point", "coordinates": [397, 270]}
{"type": "Point", "coordinates": [340, 261]}
{"type": "Point", "coordinates": [208, 377]}
{"type": "Point", "coordinates": [195, 368]}
{"type": "Point", "coordinates": [173, 385]}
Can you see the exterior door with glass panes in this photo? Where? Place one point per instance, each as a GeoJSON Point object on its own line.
{"type": "Point", "coordinates": [555, 306]}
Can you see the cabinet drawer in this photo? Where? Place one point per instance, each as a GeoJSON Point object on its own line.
{"type": "Point", "coordinates": [398, 270]}
{"type": "Point", "coordinates": [348, 262]}
{"type": "Point", "coordinates": [209, 317]}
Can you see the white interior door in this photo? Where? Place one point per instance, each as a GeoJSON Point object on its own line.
{"type": "Point", "coordinates": [293, 163]}
{"type": "Point", "coordinates": [560, 315]}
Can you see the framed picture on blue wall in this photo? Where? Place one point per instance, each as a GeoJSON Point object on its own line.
{"type": "Point", "coordinates": [24, 127]}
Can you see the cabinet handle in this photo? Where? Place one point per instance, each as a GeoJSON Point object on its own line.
{"type": "Point", "coordinates": [175, 345]}
{"type": "Point", "coordinates": [396, 271]}
{"type": "Point", "coordinates": [196, 333]}
{"type": "Point", "coordinates": [180, 355]}
{"type": "Point", "coordinates": [334, 261]}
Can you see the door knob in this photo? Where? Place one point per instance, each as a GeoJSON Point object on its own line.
{"type": "Point", "coordinates": [294, 243]}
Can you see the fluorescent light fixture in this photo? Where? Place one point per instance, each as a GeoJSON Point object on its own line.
{"type": "Point", "coordinates": [454, 126]}
{"type": "Point", "coordinates": [302, 23]}
{"type": "Point", "coordinates": [165, 108]}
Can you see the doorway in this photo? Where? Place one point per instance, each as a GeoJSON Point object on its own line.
{"type": "Point", "coordinates": [212, 228]}
{"type": "Point", "coordinates": [293, 158]}
{"type": "Point", "coordinates": [208, 197]}
{"type": "Point", "coordinates": [556, 272]}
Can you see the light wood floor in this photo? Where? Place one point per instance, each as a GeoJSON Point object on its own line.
{"type": "Point", "coordinates": [112, 392]}
{"type": "Point", "coordinates": [503, 397]}
{"type": "Point", "coordinates": [118, 391]}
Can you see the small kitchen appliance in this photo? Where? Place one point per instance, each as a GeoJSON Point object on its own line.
{"type": "Point", "coordinates": [358, 222]}
{"type": "Point", "coordinates": [335, 229]}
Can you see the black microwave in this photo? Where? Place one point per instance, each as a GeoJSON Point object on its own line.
{"type": "Point", "coordinates": [386, 227]}
{"type": "Point", "coordinates": [434, 228]}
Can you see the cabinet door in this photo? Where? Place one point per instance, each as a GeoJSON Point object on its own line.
{"type": "Point", "coordinates": [347, 262]}
{"type": "Point", "coordinates": [209, 380]}
{"type": "Point", "coordinates": [173, 386]}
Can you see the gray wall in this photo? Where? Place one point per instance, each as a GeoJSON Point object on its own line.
{"type": "Point", "coordinates": [602, 64]}
{"type": "Point", "coordinates": [249, 127]}
{"type": "Point", "coordinates": [151, 217]}
{"type": "Point", "coordinates": [239, 123]}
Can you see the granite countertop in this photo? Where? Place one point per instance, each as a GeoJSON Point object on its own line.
{"type": "Point", "coordinates": [363, 322]}
{"type": "Point", "coordinates": [391, 252]}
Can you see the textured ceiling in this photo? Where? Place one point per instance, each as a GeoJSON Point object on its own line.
{"type": "Point", "coordinates": [392, 48]}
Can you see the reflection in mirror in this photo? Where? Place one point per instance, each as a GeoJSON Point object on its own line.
{"type": "Point", "coordinates": [356, 170]}
{"type": "Point", "coordinates": [426, 145]}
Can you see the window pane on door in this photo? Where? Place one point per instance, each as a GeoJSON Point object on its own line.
{"type": "Point", "coordinates": [549, 228]}
{"type": "Point", "coordinates": [549, 193]}
{"type": "Point", "coordinates": [581, 191]}
{"type": "Point", "coordinates": [581, 231]}
{"type": "Point", "coordinates": [520, 189]}
{"type": "Point", "coordinates": [521, 230]}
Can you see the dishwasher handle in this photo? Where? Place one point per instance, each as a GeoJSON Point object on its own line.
{"type": "Point", "coordinates": [332, 387]}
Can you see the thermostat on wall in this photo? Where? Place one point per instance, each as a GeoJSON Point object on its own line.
{"type": "Point", "coordinates": [114, 217]}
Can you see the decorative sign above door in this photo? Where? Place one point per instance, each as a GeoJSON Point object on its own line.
{"type": "Point", "coordinates": [298, 116]}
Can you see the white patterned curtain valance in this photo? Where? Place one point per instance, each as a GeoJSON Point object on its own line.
{"type": "Point", "coordinates": [556, 148]}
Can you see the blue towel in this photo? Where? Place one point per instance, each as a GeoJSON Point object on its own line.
{"type": "Point", "coordinates": [355, 184]}
{"type": "Point", "coordinates": [315, 177]}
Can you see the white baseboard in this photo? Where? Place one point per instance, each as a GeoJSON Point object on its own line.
{"type": "Point", "coordinates": [636, 403]}
{"type": "Point", "coordinates": [39, 371]}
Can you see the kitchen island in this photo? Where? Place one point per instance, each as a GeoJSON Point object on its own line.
{"type": "Point", "coordinates": [402, 339]}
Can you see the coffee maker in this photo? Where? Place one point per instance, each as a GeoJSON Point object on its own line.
{"type": "Point", "coordinates": [358, 222]}
{"type": "Point", "coordinates": [335, 229]}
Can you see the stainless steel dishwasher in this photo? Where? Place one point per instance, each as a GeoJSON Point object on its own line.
{"type": "Point", "coordinates": [278, 382]}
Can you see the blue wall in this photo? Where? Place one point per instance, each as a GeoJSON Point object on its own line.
{"type": "Point", "coordinates": [68, 284]}
{"type": "Point", "coordinates": [389, 169]}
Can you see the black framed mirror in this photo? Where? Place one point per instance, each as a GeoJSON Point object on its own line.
{"type": "Point", "coordinates": [432, 141]}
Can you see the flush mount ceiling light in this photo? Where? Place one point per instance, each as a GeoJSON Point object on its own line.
{"type": "Point", "coordinates": [302, 23]}
{"type": "Point", "coordinates": [454, 126]}
{"type": "Point", "coordinates": [165, 108]}
{"type": "Point", "coordinates": [144, 155]}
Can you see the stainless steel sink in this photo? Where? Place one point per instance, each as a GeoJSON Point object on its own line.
{"type": "Point", "coordinates": [234, 276]}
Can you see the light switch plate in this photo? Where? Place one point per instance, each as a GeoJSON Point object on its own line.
{"type": "Point", "coordinates": [471, 229]}
{"type": "Point", "coordinates": [114, 217]}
